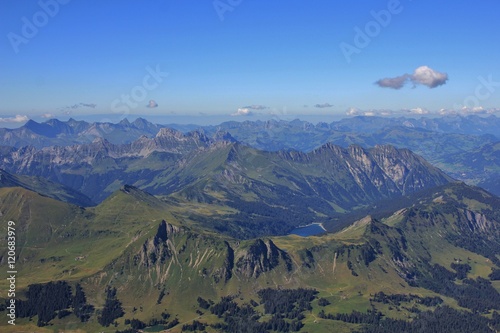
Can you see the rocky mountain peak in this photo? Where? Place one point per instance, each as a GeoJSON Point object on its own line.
{"type": "Point", "coordinates": [169, 133]}
{"type": "Point", "coordinates": [198, 136]}
{"type": "Point", "coordinates": [329, 147]}
{"type": "Point", "coordinates": [124, 122]}
{"type": "Point", "coordinates": [222, 135]}
{"type": "Point", "coordinates": [262, 257]}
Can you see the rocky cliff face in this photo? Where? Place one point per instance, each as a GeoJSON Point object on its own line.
{"type": "Point", "coordinates": [90, 168]}
{"type": "Point", "coordinates": [158, 249]}
{"type": "Point", "coordinates": [225, 271]}
{"type": "Point", "coordinates": [262, 257]}
{"type": "Point", "coordinates": [383, 169]}
{"type": "Point", "coordinates": [166, 140]}
{"type": "Point", "coordinates": [175, 251]}
{"type": "Point", "coordinates": [173, 246]}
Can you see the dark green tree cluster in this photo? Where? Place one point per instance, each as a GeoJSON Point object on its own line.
{"type": "Point", "coordinates": [350, 266]}
{"type": "Point", "coordinates": [160, 296]}
{"type": "Point", "coordinates": [495, 275]}
{"type": "Point", "coordinates": [53, 299]}
{"type": "Point", "coordinates": [112, 308]}
{"type": "Point", "coordinates": [323, 302]}
{"type": "Point", "coordinates": [135, 324]}
{"type": "Point", "coordinates": [397, 299]}
{"type": "Point", "coordinates": [461, 269]}
{"type": "Point", "coordinates": [202, 303]}
{"type": "Point", "coordinates": [478, 295]}
{"type": "Point", "coordinates": [443, 319]}
{"type": "Point", "coordinates": [245, 319]}
{"type": "Point", "coordinates": [477, 243]}
{"type": "Point", "coordinates": [81, 308]}
{"type": "Point", "coordinates": [290, 302]}
{"type": "Point", "coordinates": [226, 306]}
{"type": "Point", "coordinates": [194, 326]}
{"type": "Point", "coordinates": [43, 300]}
{"type": "Point", "coordinates": [285, 306]}
{"type": "Point", "coordinates": [355, 317]}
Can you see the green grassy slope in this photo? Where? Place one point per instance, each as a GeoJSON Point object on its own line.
{"type": "Point", "coordinates": [146, 247]}
{"type": "Point", "coordinates": [45, 188]}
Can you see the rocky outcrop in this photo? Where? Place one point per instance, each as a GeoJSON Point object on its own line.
{"type": "Point", "coordinates": [167, 140]}
{"type": "Point", "coordinates": [158, 249]}
{"type": "Point", "coordinates": [383, 169]}
{"type": "Point", "coordinates": [225, 273]}
{"type": "Point", "coordinates": [478, 222]}
{"type": "Point", "coordinates": [262, 257]}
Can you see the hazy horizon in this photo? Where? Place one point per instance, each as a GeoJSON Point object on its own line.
{"type": "Point", "coordinates": [207, 120]}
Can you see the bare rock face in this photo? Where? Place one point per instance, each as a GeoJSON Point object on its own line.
{"type": "Point", "coordinates": [31, 160]}
{"type": "Point", "coordinates": [262, 257]}
{"type": "Point", "coordinates": [225, 272]}
{"type": "Point", "coordinates": [158, 249]}
{"type": "Point", "coordinates": [177, 247]}
{"type": "Point", "coordinates": [477, 222]}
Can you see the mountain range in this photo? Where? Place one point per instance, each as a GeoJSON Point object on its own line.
{"type": "Point", "coordinates": [280, 190]}
{"type": "Point", "coordinates": [190, 231]}
{"type": "Point", "coordinates": [55, 132]}
{"type": "Point", "coordinates": [444, 141]}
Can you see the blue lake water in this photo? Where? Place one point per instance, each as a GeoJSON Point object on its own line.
{"type": "Point", "coordinates": [308, 230]}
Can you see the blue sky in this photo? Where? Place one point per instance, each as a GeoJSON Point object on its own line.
{"type": "Point", "coordinates": [76, 58]}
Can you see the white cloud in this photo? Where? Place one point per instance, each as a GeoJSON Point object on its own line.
{"type": "Point", "coordinates": [368, 113]}
{"type": "Point", "coordinates": [419, 111]}
{"type": "Point", "coordinates": [422, 75]}
{"type": "Point", "coordinates": [17, 119]}
{"type": "Point", "coordinates": [429, 77]}
{"type": "Point", "coordinates": [152, 104]}
{"type": "Point", "coordinates": [353, 112]}
{"type": "Point", "coordinates": [479, 110]}
{"type": "Point", "coordinates": [476, 109]}
{"type": "Point", "coordinates": [243, 112]}
{"type": "Point", "coordinates": [47, 115]}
